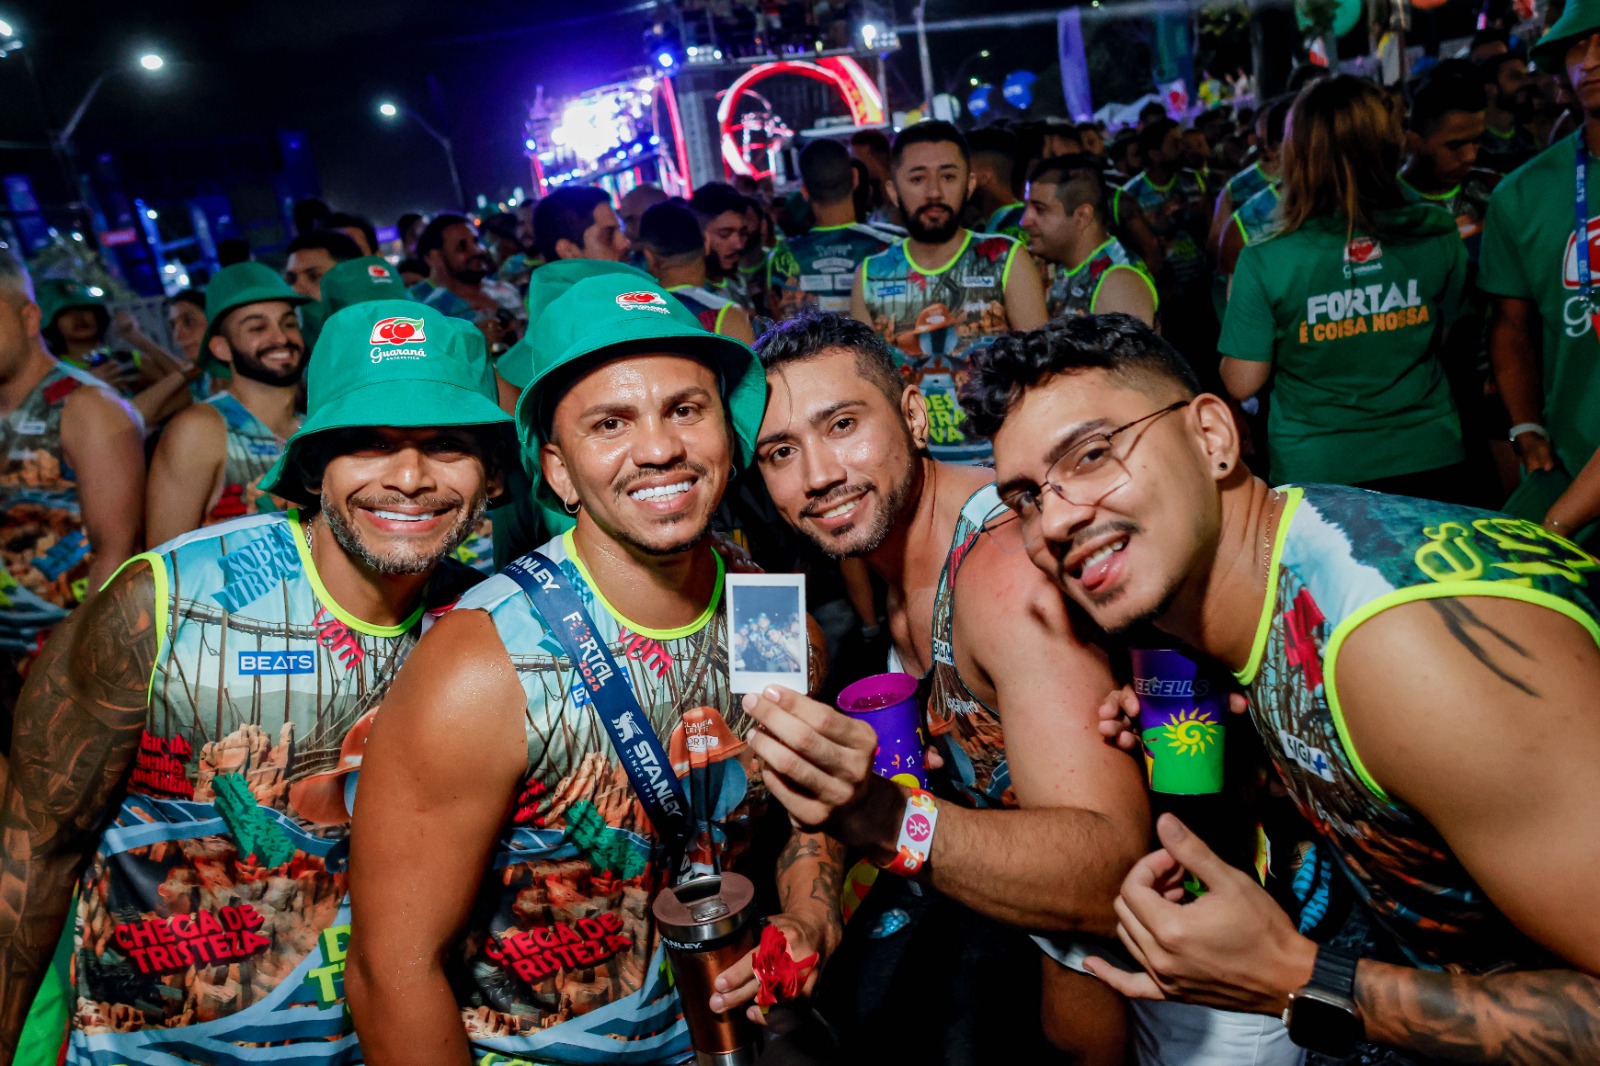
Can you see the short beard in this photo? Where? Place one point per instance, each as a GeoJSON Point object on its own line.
{"type": "Point", "coordinates": [345, 534]}
{"type": "Point", "coordinates": [928, 234]}
{"type": "Point", "coordinates": [888, 516]}
{"type": "Point", "coordinates": [469, 276]}
{"type": "Point", "coordinates": [246, 365]}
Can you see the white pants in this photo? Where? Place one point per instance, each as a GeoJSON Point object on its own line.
{"type": "Point", "coordinates": [1182, 1034]}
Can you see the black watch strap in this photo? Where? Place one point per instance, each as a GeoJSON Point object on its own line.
{"type": "Point", "coordinates": [1335, 971]}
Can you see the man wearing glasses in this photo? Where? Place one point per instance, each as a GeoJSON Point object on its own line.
{"type": "Point", "coordinates": [1422, 674]}
{"type": "Point", "coordinates": [1044, 823]}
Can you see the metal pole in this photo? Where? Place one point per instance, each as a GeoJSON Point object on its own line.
{"type": "Point", "coordinates": [449, 155]}
{"type": "Point", "coordinates": [927, 62]}
{"type": "Point", "coordinates": [77, 116]}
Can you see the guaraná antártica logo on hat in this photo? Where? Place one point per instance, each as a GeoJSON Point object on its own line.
{"type": "Point", "coordinates": [381, 273]}
{"type": "Point", "coordinates": [643, 300]}
{"type": "Point", "coordinates": [390, 334]}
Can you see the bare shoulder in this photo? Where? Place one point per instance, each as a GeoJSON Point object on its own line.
{"type": "Point", "coordinates": [199, 425]}
{"type": "Point", "coordinates": [460, 671]}
{"type": "Point", "coordinates": [1005, 607]}
{"type": "Point", "coordinates": [96, 411]}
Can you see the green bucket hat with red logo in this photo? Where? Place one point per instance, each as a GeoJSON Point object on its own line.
{"type": "Point", "coordinates": [544, 285]}
{"type": "Point", "coordinates": [392, 363]}
{"type": "Point", "coordinates": [1578, 19]}
{"type": "Point", "coordinates": [234, 287]}
{"type": "Point", "coordinates": [613, 313]}
{"type": "Point", "coordinates": [359, 281]}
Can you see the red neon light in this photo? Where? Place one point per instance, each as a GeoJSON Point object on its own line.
{"type": "Point", "coordinates": [679, 148]}
{"type": "Point", "coordinates": [841, 73]}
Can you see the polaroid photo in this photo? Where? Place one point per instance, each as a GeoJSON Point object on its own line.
{"type": "Point", "coordinates": [767, 631]}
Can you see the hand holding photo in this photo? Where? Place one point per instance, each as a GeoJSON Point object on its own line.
{"type": "Point", "coordinates": [767, 631]}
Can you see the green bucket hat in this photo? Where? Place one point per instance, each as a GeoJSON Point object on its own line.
{"type": "Point", "coordinates": [59, 294]}
{"type": "Point", "coordinates": [234, 287]}
{"type": "Point", "coordinates": [391, 363]}
{"type": "Point", "coordinates": [544, 285]}
{"type": "Point", "coordinates": [614, 312]}
{"type": "Point", "coordinates": [359, 281]}
{"type": "Point", "coordinates": [1579, 19]}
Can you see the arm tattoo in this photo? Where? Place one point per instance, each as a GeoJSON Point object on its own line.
{"type": "Point", "coordinates": [813, 864]}
{"type": "Point", "coordinates": [1536, 1016]}
{"type": "Point", "coordinates": [1459, 619]}
{"type": "Point", "coordinates": [78, 724]}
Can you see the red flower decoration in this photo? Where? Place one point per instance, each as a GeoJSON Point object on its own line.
{"type": "Point", "coordinates": [993, 248]}
{"type": "Point", "coordinates": [780, 976]}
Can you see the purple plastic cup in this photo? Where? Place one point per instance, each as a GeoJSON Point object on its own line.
{"type": "Point", "coordinates": [888, 703]}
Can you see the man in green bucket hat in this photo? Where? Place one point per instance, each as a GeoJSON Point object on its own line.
{"type": "Point", "coordinates": [219, 687]}
{"type": "Point", "coordinates": [633, 422]}
{"type": "Point", "coordinates": [208, 465]}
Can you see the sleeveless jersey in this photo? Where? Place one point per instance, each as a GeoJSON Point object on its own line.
{"type": "Point", "coordinates": [1468, 204]}
{"type": "Point", "coordinates": [1007, 220]}
{"type": "Point", "coordinates": [212, 919]}
{"type": "Point", "coordinates": [966, 730]}
{"type": "Point", "coordinates": [1256, 217]}
{"type": "Point", "coordinates": [252, 449]}
{"type": "Point", "coordinates": [1073, 292]}
{"type": "Point", "coordinates": [1164, 206]}
{"type": "Point", "coordinates": [711, 308]}
{"type": "Point", "coordinates": [560, 960]}
{"type": "Point", "coordinates": [1246, 184]}
{"type": "Point", "coordinates": [47, 553]}
{"type": "Point", "coordinates": [935, 318]}
{"type": "Point", "coordinates": [1343, 556]}
{"type": "Point", "coordinates": [818, 268]}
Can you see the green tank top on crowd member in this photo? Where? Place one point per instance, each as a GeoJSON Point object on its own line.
{"type": "Point", "coordinates": [1246, 184]}
{"type": "Point", "coordinates": [818, 268]}
{"type": "Point", "coordinates": [1467, 203]}
{"type": "Point", "coordinates": [212, 918]}
{"type": "Point", "coordinates": [1164, 207]}
{"type": "Point", "coordinates": [1352, 327]}
{"type": "Point", "coordinates": [1343, 556]}
{"type": "Point", "coordinates": [47, 551]}
{"type": "Point", "coordinates": [1006, 220]}
{"type": "Point", "coordinates": [934, 318]}
{"type": "Point", "coordinates": [560, 961]}
{"type": "Point", "coordinates": [252, 449]}
{"type": "Point", "coordinates": [1073, 292]}
{"type": "Point", "coordinates": [1529, 253]}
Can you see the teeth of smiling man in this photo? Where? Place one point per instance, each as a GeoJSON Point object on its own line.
{"type": "Point", "coordinates": [1104, 553]}
{"type": "Point", "coordinates": [396, 516]}
{"type": "Point", "coordinates": [841, 510]}
{"type": "Point", "coordinates": [660, 492]}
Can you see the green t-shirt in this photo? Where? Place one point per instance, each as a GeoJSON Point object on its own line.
{"type": "Point", "coordinates": [1529, 253]}
{"type": "Point", "coordinates": [1352, 326]}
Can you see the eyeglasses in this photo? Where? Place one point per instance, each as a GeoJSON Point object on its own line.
{"type": "Point", "coordinates": [1084, 475]}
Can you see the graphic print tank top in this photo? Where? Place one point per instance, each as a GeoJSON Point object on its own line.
{"type": "Point", "coordinates": [252, 449]}
{"type": "Point", "coordinates": [1073, 292]}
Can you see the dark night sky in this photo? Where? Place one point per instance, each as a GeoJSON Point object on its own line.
{"type": "Point", "coordinates": [321, 66]}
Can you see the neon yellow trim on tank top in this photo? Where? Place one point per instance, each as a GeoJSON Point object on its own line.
{"type": "Point", "coordinates": [1247, 675]}
{"type": "Point", "coordinates": [326, 598]}
{"type": "Point", "coordinates": [1416, 594]}
{"type": "Point", "coordinates": [158, 575]}
{"type": "Point", "coordinates": [634, 627]}
{"type": "Point", "coordinates": [1155, 298]}
{"type": "Point", "coordinates": [1011, 257]}
{"type": "Point", "coordinates": [948, 263]}
{"type": "Point", "coordinates": [721, 312]}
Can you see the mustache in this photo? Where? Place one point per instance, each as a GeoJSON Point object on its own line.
{"type": "Point", "coordinates": [1116, 525]}
{"type": "Point", "coordinates": [428, 503]}
{"type": "Point", "coordinates": [832, 497]}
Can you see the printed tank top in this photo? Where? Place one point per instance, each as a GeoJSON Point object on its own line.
{"type": "Point", "coordinates": [560, 960]}
{"type": "Point", "coordinates": [934, 318]}
{"type": "Point", "coordinates": [1343, 556]}
{"type": "Point", "coordinates": [212, 918]}
{"type": "Point", "coordinates": [709, 307]}
{"type": "Point", "coordinates": [1073, 292]}
{"type": "Point", "coordinates": [252, 449]}
{"type": "Point", "coordinates": [818, 268]}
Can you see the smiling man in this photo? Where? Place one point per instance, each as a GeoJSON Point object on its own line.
{"type": "Point", "coordinates": [1471, 838]}
{"type": "Point", "coordinates": [209, 463]}
{"type": "Point", "coordinates": [501, 887]}
{"type": "Point", "coordinates": [192, 733]}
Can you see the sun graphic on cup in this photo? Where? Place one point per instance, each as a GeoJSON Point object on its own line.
{"type": "Point", "coordinates": [1191, 732]}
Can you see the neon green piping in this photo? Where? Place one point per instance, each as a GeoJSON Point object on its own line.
{"type": "Point", "coordinates": [948, 263]}
{"type": "Point", "coordinates": [634, 627]}
{"type": "Point", "coordinates": [1247, 676]}
{"type": "Point", "coordinates": [326, 598]}
{"type": "Point", "coordinates": [1144, 177]}
{"type": "Point", "coordinates": [1431, 195]}
{"type": "Point", "coordinates": [1416, 594]}
{"type": "Point", "coordinates": [1244, 234]}
{"type": "Point", "coordinates": [1011, 257]}
{"type": "Point", "coordinates": [158, 575]}
{"type": "Point", "coordinates": [720, 313]}
{"type": "Point", "coordinates": [830, 229]}
{"type": "Point", "coordinates": [1154, 296]}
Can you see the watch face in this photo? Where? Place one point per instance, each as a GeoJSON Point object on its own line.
{"type": "Point", "coordinates": [1323, 1022]}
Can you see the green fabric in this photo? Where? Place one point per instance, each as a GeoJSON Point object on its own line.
{"type": "Point", "coordinates": [613, 311]}
{"type": "Point", "coordinates": [390, 363]}
{"type": "Point", "coordinates": [1352, 328]}
{"type": "Point", "coordinates": [44, 1031]}
{"type": "Point", "coordinates": [544, 285]}
{"type": "Point", "coordinates": [233, 288]}
{"type": "Point", "coordinates": [56, 295]}
{"type": "Point", "coordinates": [1527, 254]}
{"type": "Point", "coordinates": [359, 281]}
{"type": "Point", "coordinates": [1578, 19]}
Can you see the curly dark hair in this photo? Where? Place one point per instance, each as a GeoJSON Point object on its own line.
{"type": "Point", "coordinates": [813, 332]}
{"type": "Point", "coordinates": [1121, 345]}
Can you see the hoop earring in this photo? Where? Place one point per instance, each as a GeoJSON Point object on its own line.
{"type": "Point", "coordinates": [571, 508]}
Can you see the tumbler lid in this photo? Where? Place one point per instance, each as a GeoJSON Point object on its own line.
{"type": "Point", "coordinates": [704, 908]}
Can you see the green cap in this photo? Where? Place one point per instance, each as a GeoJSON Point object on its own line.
{"type": "Point", "coordinates": [544, 285]}
{"type": "Point", "coordinates": [1579, 19]}
{"type": "Point", "coordinates": [359, 281]}
{"type": "Point", "coordinates": [58, 294]}
{"type": "Point", "coordinates": [614, 312]}
{"type": "Point", "coordinates": [391, 363]}
{"type": "Point", "coordinates": [234, 287]}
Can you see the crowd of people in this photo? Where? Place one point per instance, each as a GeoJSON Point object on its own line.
{"type": "Point", "coordinates": [420, 517]}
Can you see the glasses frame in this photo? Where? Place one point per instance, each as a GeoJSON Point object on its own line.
{"type": "Point", "coordinates": [1005, 512]}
